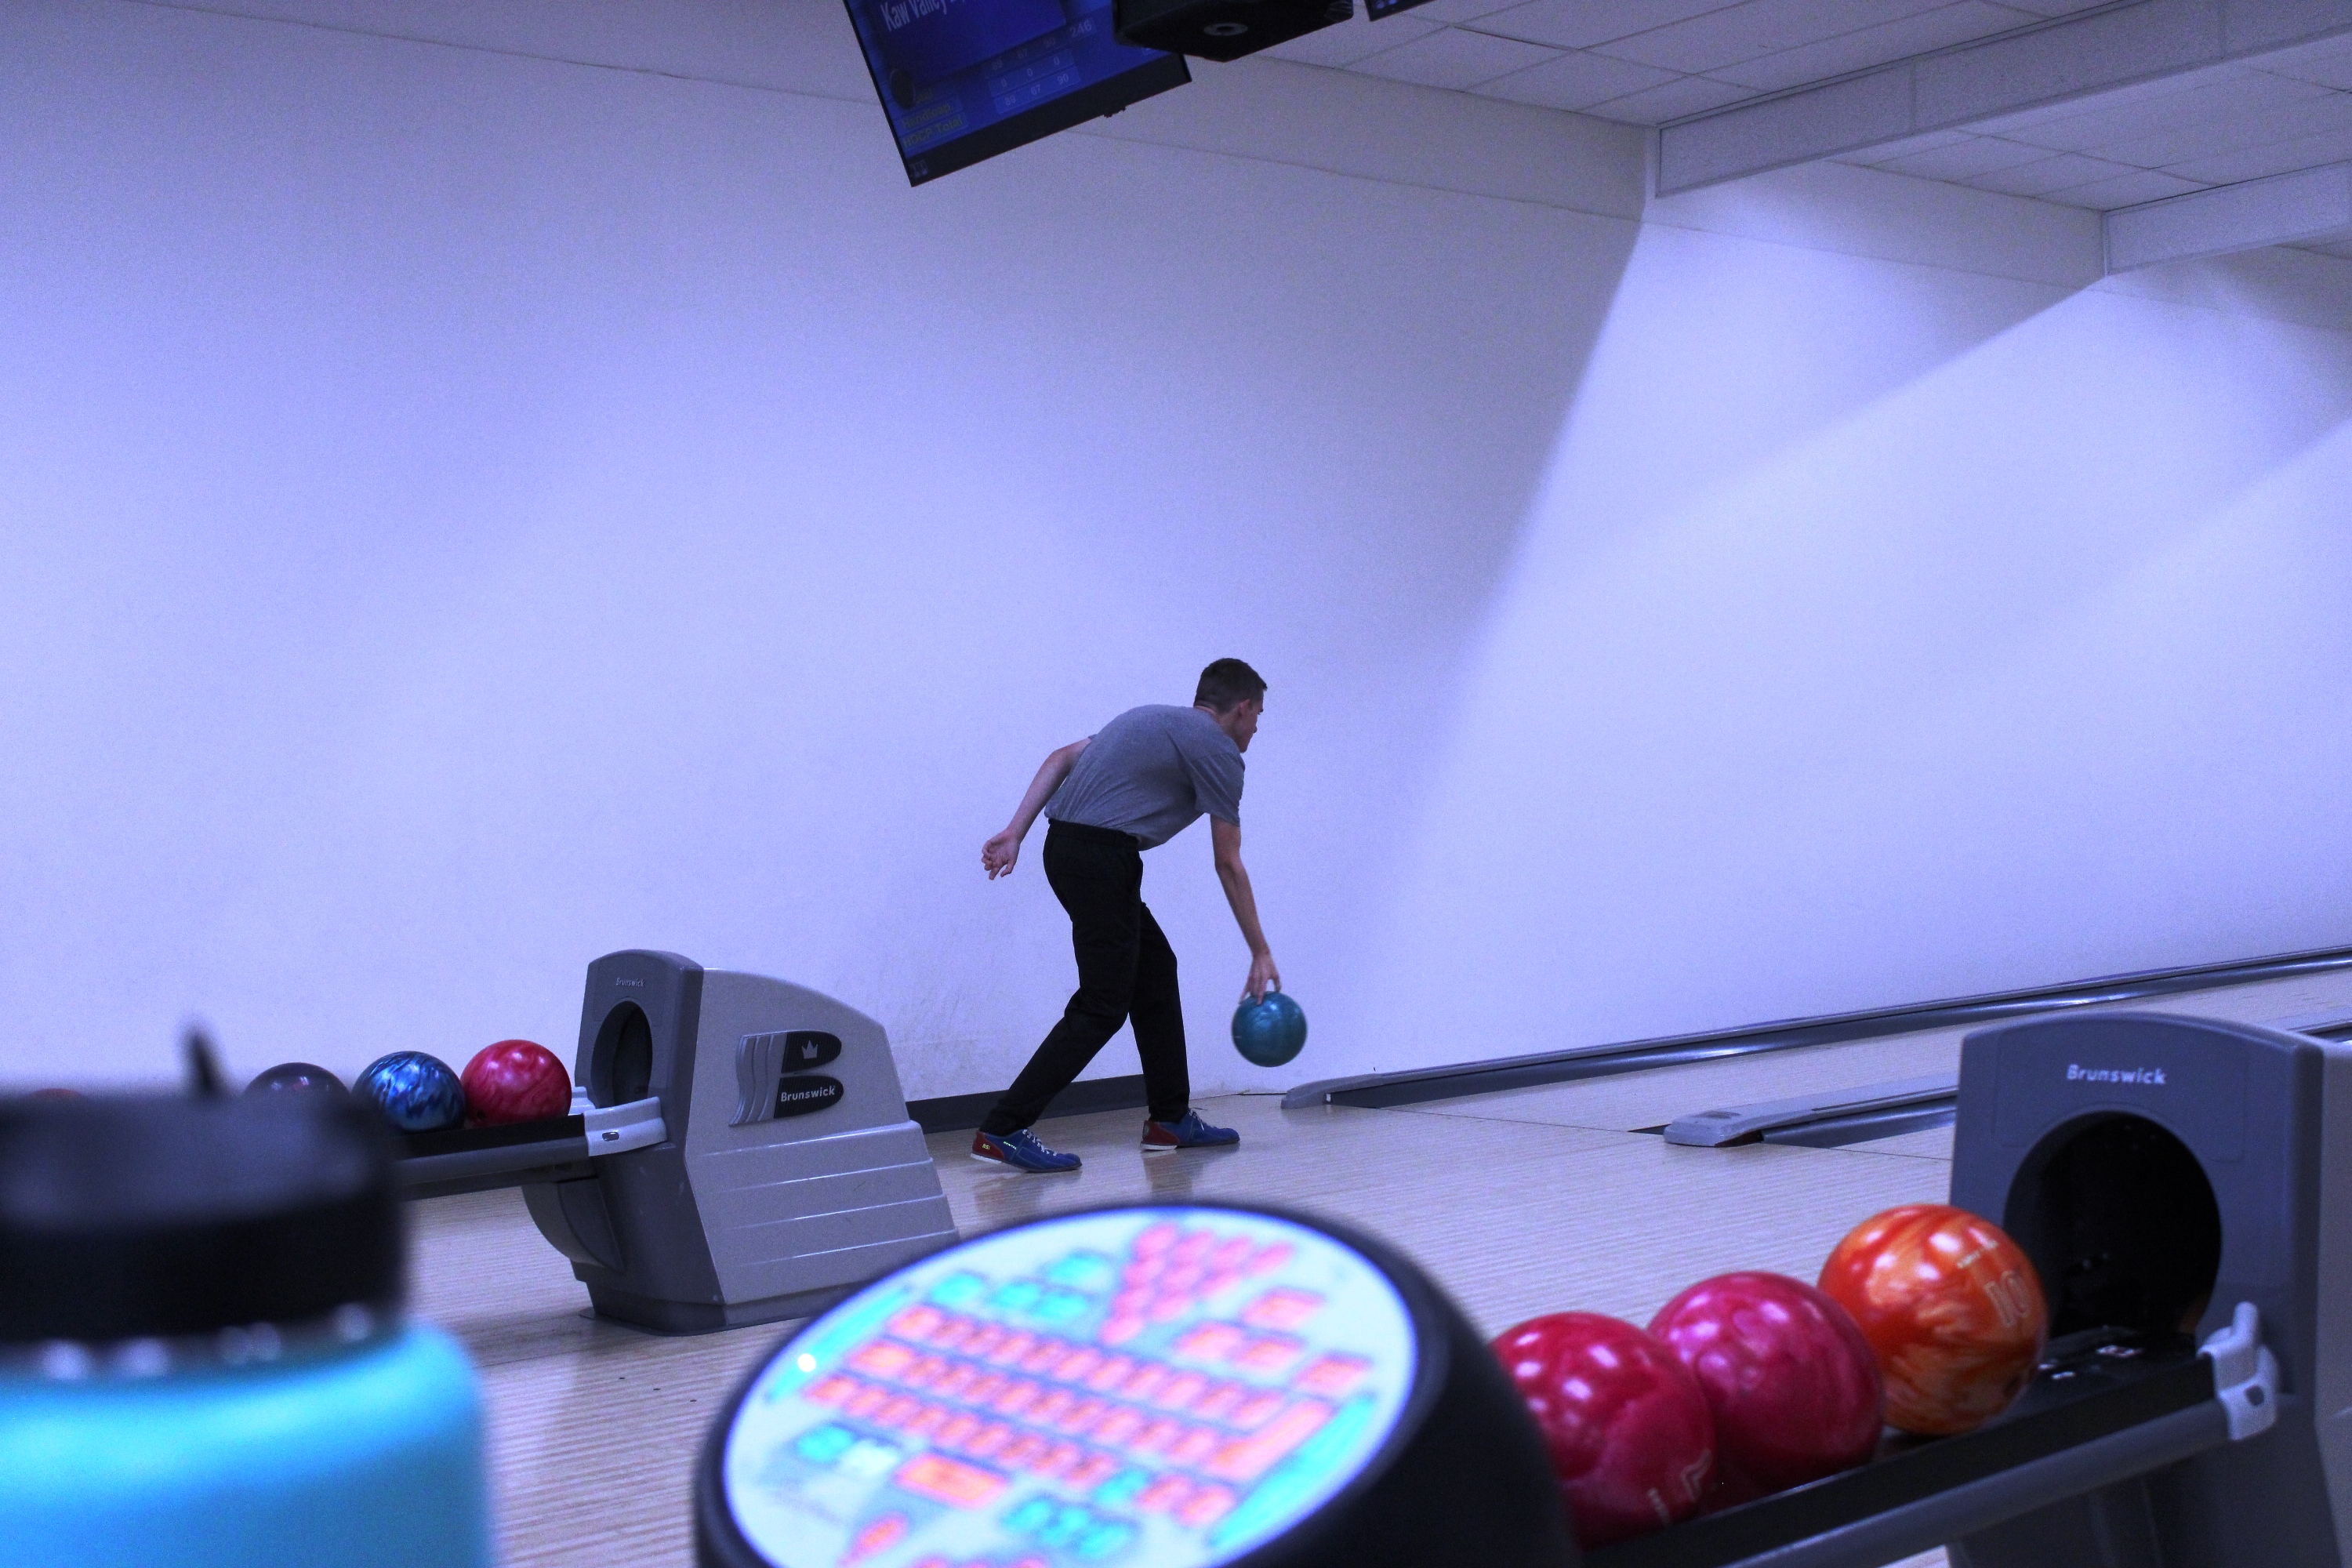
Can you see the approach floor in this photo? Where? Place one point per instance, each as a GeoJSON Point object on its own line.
{"type": "Point", "coordinates": [1527, 1202]}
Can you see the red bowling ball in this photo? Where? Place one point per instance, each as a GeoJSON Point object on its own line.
{"type": "Point", "coordinates": [1792, 1384]}
{"type": "Point", "coordinates": [1628, 1427]}
{"type": "Point", "coordinates": [515, 1081]}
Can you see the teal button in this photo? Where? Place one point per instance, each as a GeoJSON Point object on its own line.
{"type": "Point", "coordinates": [958, 1292]}
{"type": "Point", "coordinates": [825, 1445]}
{"type": "Point", "coordinates": [1120, 1489]}
{"type": "Point", "coordinates": [1032, 1516]}
{"type": "Point", "coordinates": [1105, 1540]}
{"type": "Point", "coordinates": [1066, 1526]}
{"type": "Point", "coordinates": [1060, 1307]}
{"type": "Point", "coordinates": [1084, 1271]}
{"type": "Point", "coordinates": [1018, 1296]}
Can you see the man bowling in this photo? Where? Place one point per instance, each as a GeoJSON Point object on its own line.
{"type": "Point", "coordinates": [1133, 785]}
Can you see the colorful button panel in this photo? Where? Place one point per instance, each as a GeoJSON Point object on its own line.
{"type": "Point", "coordinates": [1145, 1387]}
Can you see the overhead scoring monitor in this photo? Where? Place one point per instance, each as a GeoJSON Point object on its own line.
{"type": "Point", "coordinates": [966, 81]}
{"type": "Point", "coordinates": [1154, 1387]}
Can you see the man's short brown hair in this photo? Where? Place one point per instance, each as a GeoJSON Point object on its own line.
{"type": "Point", "coordinates": [1226, 682]}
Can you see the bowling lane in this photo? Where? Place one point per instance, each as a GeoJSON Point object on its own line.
{"type": "Point", "coordinates": [1655, 1097]}
{"type": "Point", "coordinates": [1515, 1218]}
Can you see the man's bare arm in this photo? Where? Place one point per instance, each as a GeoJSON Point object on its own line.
{"type": "Point", "coordinates": [997, 856]}
{"type": "Point", "coordinates": [1226, 838]}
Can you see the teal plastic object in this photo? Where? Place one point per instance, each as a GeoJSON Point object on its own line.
{"type": "Point", "coordinates": [367, 1458]}
{"type": "Point", "coordinates": [1271, 1032]}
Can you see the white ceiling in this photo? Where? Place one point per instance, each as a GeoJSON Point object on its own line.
{"type": "Point", "coordinates": [1646, 62]}
{"type": "Point", "coordinates": [2189, 133]}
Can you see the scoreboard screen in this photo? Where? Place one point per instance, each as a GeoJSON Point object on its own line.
{"type": "Point", "coordinates": [962, 80]}
{"type": "Point", "coordinates": [1141, 1387]}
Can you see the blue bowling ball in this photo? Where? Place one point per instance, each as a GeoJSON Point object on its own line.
{"type": "Point", "coordinates": [415, 1092]}
{"type": "Point", "coordinates": [1271, 1032]}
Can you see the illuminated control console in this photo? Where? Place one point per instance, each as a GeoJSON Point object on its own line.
{"type": "Point", "coordinates": [1148, 1386]}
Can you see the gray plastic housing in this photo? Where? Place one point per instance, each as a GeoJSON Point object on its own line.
{"type": "Point", "coordinates": [790, 1174]}
{"type": "Point", "coordinates": [2267, 1117]}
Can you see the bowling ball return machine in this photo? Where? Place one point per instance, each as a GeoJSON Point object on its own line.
{"type": "Point", "coordinates": [739, 1151]}
{"type": "Point", "coordinates": [2183, 1186]}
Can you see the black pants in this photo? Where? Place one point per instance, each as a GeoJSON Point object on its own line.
{"type": "Point", "coordinates": [1127, 972]}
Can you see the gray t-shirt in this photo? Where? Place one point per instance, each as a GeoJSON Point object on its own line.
{"type": "Point", "coordinates": [1149, 772]}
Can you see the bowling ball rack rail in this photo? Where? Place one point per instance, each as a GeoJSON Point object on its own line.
{"type": "Point", "coordinates": [477, 1158]}
{"type": "Point", "coordinates": [2105, 1405]}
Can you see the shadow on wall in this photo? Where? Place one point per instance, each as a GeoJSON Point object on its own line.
{"type": "Point", "coordinates": [1885, 634]}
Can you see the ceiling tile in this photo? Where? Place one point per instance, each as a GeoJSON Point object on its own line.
{"type": "Point", "coordinates": [1941, 29]}
{"type": "Point", "coordinates": [1452, 57]}
{"type": "Point", "coordinates": [1978, 155]}
{"type": "Point", "coordinates": [2328, 62]}
{"type": "Point", "coordinates": [2256, 163]}
{"type": "Point", "coordinates": [1575, 80]}
{"type": "Point", "coordinates": [1352, 41]}
{"type": "Point", "coordinates": [1455, 10]}
{"type": "Point", "coordinates": [2114, 97]}
{"type": "Point", "coordinates": [1756, 28]}
{"type": "Point", "coordinates": [2123, 191]}
{"type": "Point", "coordinates": [1671, 100]}
{"type": "Point", "coordinates": [2239, 96]}
{"type": "Point", "coordinates": [1580, 24]}
{"type": "Point", "coordinates": [2042, 176]}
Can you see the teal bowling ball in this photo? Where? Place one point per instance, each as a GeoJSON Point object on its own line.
{"type": "Point", "coordinates": [1271, 1032]}
{"type": "Point", "coordinates": [414, 1092]}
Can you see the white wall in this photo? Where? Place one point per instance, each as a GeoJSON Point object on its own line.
{"type": "Point", "coordinates": [467, 511]}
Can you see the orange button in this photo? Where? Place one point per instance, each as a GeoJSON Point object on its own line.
{"type": "Point", "coordinates": [1163, 1494]}
{"type": "Point", "coordinates": [917, 1322]}
{"type": "Point", "coordinates": [1333, 1377]}
{"type": "Point", "coordinates": [1269, 1354]}
{"type": "Point", "coordinates": [1219, 1402]}
{"type": "Point", "coordinates": [1196, 1444]}
{"type": "Point", "coordinates": [1250, 1457]}
{"type": "Point", "coordinates": [1282, 1309]}
{"type": "Point", "coordinates": [1180, 1391]}
{"type": "Point", "coordinates": [1210, 1342]}
{"type": "Point", "coordinates": [1118, 1426]}
{"type": "Point", "coordinates": [1093, 1470]}
{"type": "Point", "coordinates": [950, 1481]}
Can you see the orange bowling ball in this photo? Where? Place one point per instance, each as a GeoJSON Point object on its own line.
{"type": "Point", "coordinates": [1952, 1310]}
